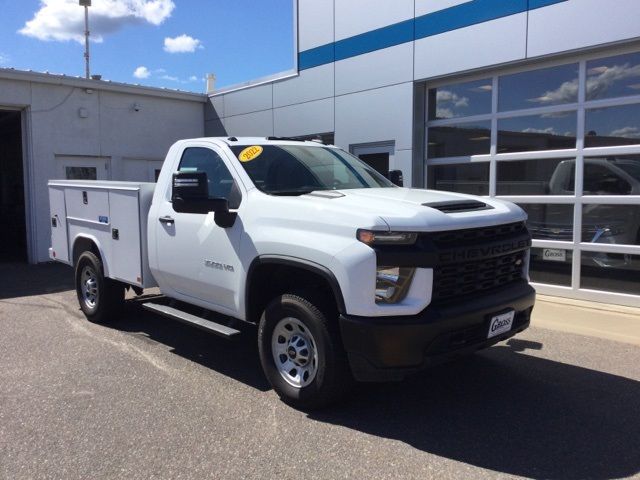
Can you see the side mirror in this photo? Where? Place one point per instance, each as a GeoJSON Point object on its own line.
{"type": "Point", "coordinates": [396, 177]}
{"type": "Point", "coordinates": [190, 194]}
{"type": "Point", "coordinates": [189, 186]}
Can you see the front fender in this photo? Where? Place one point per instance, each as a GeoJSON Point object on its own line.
{"type": "Point", "coordinates": [301, 263]}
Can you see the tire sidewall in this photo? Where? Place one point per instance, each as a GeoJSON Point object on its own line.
{"type": "Point", "coordinates": [89, 259]}
{"type": "Point", "coordinates": [313, 321]}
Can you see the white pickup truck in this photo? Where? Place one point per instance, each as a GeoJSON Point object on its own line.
{"type": "Point", "coordinates": [347, 275]}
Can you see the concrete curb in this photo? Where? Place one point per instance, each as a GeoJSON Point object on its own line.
{"type": "Point", "coordinates": [611, 322]}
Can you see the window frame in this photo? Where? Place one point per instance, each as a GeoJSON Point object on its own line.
{"type": "Point", "coordinates": [579, 153]}
{"type": "Point", "coordinates": [240, 186]}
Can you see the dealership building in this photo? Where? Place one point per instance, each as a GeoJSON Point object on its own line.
{"type": "Point", "coordinates": [533, 101]}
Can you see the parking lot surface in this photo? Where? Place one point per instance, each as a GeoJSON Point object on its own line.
{"type": "Point", "coordinates": [150, 398]}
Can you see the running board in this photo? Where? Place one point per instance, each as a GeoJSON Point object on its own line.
{"type": "Point", "coordinates": [184, 317]}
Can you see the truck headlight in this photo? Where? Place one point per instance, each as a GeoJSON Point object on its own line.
{"type": "Point", "coordinates": [371, 237]}
{"type": "Point", "coordinates": [392, 283]}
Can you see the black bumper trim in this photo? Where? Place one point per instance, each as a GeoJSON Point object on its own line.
{"type": "Point", "coordinates": [388, 348]}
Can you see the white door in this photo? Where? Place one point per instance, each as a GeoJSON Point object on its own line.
{"type": "Point", "coordinates": [83, 168]}
{"type": "Point", "coordinates": [197, 258]}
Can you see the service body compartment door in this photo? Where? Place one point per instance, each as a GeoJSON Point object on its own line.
{"type": "Point", "coordinates": [87, 204]}
{"type": "Point", "coordinates": [59, 237]}
{"type": "Point", "coordinates": [126, 248]}
{"type": "Point", "coordinates": [88, 216]}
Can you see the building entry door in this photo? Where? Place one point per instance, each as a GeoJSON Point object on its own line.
{"type": "Point", "coordinates": [376, 155]}
{"type": "Point", "coordinates": [83, 168]}
{"type": "Point", "coordinates": [13, 225]}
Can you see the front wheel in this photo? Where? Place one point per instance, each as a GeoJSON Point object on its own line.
{"type": "Point", "coordinates": [301, 351]}
{"type": "Point", "coordinates": [100, 298]}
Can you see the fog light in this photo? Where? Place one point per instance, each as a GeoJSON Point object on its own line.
{"type": "Point", "coordinates": [392, 283]}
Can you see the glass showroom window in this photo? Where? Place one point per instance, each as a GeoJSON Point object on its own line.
{"type": "Point", "coordinates": [563, 142]}
{"type": "Point", "coordinates": [471, 178]}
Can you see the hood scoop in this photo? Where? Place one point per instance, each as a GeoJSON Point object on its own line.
{"type": "Point", "coordinates": [326, 194]}
{"type": "Point", "coordinates": [458, 206]}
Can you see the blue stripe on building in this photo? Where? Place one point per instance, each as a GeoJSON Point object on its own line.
{"type": "Point", "coordinates": [375, 40]}
{"type": "Point", "coordinates": [465, 15]}
{"type": "Point", "coordinates": [446, 20]}
{"type": "Point", "coordinates": [533, 4]}
{"type": "Point", "coordinates": [317, 56]}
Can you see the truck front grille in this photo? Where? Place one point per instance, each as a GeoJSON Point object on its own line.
{"type": "Point", "coordinates": [469, 278]}
{"type": "Point", "coordinates": [471, 236]}
{"type": "Point", "coordinates": [484, 268]}
{"type": "Point", "coordinates": [551, 232]}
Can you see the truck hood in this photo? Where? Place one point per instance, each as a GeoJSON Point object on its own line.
{"type": "Point", "coordinates": [405, 209]}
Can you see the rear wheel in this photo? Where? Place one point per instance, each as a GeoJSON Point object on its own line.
{"type": "Point", "coordinates": [301, 351]}
{"type": "Point", "coordinates": [100, 298]}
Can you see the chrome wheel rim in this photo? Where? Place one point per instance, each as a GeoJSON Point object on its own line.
{"type": "Point", "coordinates": [89, 286]}
{"type": "Point", "coordinates": [294, 352]}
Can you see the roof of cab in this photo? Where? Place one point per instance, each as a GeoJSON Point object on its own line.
{"type": "Point", "coordinates": [231, 141]}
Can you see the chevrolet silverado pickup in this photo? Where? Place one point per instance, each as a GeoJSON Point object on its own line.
{"type": "Point", "coordinates": [346, 275]}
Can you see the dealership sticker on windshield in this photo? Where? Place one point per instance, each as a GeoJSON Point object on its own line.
{"type": "Point", "coordinates": [250, 153]}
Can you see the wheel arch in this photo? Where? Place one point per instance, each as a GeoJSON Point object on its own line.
{"type": "Point", "coordinates": [88, 243]}
{"type": "Point", "coordinates": [266, 265]}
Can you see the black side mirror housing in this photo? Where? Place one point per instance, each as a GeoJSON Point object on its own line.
{"type": "Point", "coordinates": [190, 194]}
{"type": "Point", "coordinates": [395, 176]}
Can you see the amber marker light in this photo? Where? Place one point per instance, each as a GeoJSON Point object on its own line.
{"type": "Point", "coordinates": [370, 237]}
{"type": "Point", "coordinates": [366, 236]}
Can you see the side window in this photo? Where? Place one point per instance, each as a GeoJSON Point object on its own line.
{"type": "Point", "coordinates": [219, 179]}
{"type": "Point", "coordinates": [601, 181]}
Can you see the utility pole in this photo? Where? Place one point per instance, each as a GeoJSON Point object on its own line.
{"type": "Point", "coordinates": [86, 4]}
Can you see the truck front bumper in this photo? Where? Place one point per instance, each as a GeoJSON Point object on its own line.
{"type": "Point", "coordinates": [389, 348]}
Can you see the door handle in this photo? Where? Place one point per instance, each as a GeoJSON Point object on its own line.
{"type": "Point", "coordinates": [166, 219]}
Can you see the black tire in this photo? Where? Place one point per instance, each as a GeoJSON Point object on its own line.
{"type": "Point", "coordinates": [332, 378]}
{"type": "Point", "coordinates": [109, 294]}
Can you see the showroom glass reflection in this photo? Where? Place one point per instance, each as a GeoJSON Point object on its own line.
{"type": "Point", "coordinates": [538, 111]}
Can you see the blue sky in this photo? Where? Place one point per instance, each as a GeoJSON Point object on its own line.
{"type": "Point", "coordinates": [177, 42]}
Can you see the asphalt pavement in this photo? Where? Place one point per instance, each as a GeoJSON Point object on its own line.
{"type": "Point", "coordinates": [151, 398]}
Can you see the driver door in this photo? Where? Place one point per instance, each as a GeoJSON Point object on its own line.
{"type": "Point", "coordinates": [196, 257]}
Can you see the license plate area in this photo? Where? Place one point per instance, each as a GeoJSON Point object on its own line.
{"type": "Point", "coordinates": [501, 323]}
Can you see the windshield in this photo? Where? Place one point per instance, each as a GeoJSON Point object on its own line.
{"type": "Point", "coordinates": [299, 169]}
